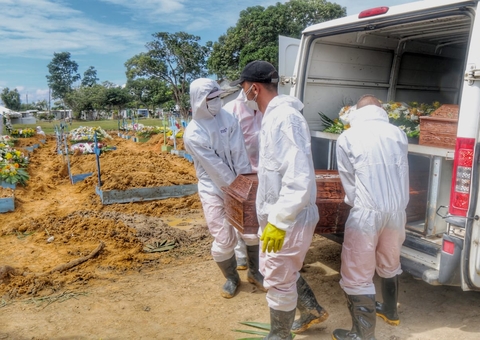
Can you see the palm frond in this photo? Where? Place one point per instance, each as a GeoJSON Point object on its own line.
{"type": "Point", "coordinates": [265, 330]}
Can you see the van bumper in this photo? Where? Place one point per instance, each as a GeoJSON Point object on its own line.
{"type": "Point", "coordinates": [427, 261]}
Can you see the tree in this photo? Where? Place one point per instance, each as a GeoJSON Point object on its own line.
{"type": "Point", "coordinates": [149, 92]}
{"type": "Point", "coordinates": [89, 77]}
{"type": "Point", "coordinates": [176, 59]}
{"type": "Point", "coordinates": [11, 99]}
{"type": "Point", "coordinates": [88, 98]}
{"type": "Point", "coordinates": [41, 105]}
{"type": "Point", "coordinates": [63, 74]}
{"type": "Point", "coordinates": [255, 36]}
{"type": "Point", "coordinates": [116, 97]}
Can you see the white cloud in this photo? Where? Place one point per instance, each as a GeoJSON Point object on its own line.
{"type": "Point", "coordinates": [154, 7]}
{"type": "Point", "coordinates": [189, 15]}
{"type": "Point", "coordinates": [48, 26]}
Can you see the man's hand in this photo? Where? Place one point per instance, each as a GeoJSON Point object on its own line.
{"type": "Point", "coordinates": [272, 238]}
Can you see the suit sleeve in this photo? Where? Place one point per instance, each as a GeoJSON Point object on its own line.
{"type": "Point", "coordinates": [346, 170]}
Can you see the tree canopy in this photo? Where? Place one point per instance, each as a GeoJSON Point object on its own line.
{"type": "Point", "coordinates": [255, 36]}
{"type": "Point", "coordinates": [149, 93]}
{"type": "Point", "coordinates": [89, 77]}
{"type": "Point", "coordinates": [63, 74]}
{"type": "Point", "coordinates": [11, 99]}
{"type": "Point", "coordinates": [173, 58]}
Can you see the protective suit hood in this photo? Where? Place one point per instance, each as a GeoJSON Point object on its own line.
{"type": "Point", "coordinates": [366, 113]}
{"type": "Point", "coordinates": [199, 90]}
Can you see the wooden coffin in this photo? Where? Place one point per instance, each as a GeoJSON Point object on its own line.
{"type": "Point", "coordinates": [241, 212]}
{"type": "Point", "coordinates": [240, 203]}
{"type": "Point", "coordinates": [440, 128]}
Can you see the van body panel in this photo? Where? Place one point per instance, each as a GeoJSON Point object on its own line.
{"type": "Point", "coordinates": [425, 52]}
{"type": "Point", "coordinates": [288, 50]}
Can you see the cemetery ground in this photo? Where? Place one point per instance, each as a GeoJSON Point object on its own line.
{"type": "Point", "coordinates": [73, 268]}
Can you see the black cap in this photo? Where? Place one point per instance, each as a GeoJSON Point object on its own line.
{"type": "Point", "coordinates": [258, 71]}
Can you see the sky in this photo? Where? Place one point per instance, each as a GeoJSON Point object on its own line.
{"type": "Point", "coordinates": [106, 33]}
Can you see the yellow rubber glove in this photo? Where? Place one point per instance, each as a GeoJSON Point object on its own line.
{"type": "Point", "coordinates": [272, 238]}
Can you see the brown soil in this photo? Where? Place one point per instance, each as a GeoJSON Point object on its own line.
{"type": "Point", "coordinates": [55, 222]}
{"type": "Point", "coordinates": [72, 268]}
{"type": "Point", "coordinates": [6, 192]}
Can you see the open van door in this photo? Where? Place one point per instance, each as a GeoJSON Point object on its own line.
{"type": "Point", "coordinates": [332, 209]}
{"type": "Point", "coordinates": [287, 55]}
{"type": "Point", "coordinates": [467, 155]}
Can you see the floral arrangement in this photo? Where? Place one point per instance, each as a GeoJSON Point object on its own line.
{"type": "Point", "coordinates": [405, 116]}
{"type": "Point", "coordinates": [7, 140]}
{"type": "Point", "coordinates": [23, 133]}
{"type": "Point", "coordinates": [86, 134]}
{"type": "Point", "coordinates": [12, 156]}
{"type": "Point", "coordinates": [133, 127]}
{"type": "Point", "coordinates": [10, 173]}
{"type": "Point", "coordinates": [12, 165]}
{"type": "Point", "coordinates": [88, 147]}
{"type": "Point", "coordinates": [148, 131]}
{"type": "Point", "coordinates": [332, 125]}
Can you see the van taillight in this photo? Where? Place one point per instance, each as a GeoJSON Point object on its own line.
{"type": "Point", "coordinates": [462, 176]}
{"type": "Point", "coordinates": [372, 12]}
{"type": "Point", "coordinates": [448, 247]}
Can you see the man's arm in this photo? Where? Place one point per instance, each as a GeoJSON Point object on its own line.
{"type": "Point", "coordinates": [346, 170]}
{"type": "Point", "coordinates": [217, 170]}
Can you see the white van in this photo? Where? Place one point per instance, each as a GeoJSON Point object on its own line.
{"type": "Point", "coordinates": [422, 52]}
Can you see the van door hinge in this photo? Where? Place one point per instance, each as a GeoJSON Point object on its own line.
{"type": "Point", "coordinates": [285, 80]}
{"type": "Point", "coordinates": [472, 74]}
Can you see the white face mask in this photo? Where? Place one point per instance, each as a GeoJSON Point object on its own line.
{"type": "Point", "coordinates": [214, 106]}
{"type": "Point", "coordinates": [252, 104]}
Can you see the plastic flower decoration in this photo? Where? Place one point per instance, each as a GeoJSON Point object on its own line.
{"type": "Point", "coordinates": [23, 133]}
{"type": "Point", "coordinates": [86, 134]}
{"type": "Point", "coordinates": [405, 116]}
{"type": "Point", "coordinates": [12, 165]}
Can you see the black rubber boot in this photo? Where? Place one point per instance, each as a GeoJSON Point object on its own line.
{"type": "Point", "coordinates": [388, 309]}
{"type": "Point", "coordinates": [362, 310]}
{"type": "Point", "coordinates": [280, 325]}
{"type": "Point", "coordinates": [253, 275]}
{"type": "Point", "coordinates": [229, 270]}
{"type": "Point", "coordinates": [310, 311]}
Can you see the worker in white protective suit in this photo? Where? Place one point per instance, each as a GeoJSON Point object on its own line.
{"type": "Point", "coordinates": [373, 166]}
{"type": "Point", "coordinates": [285, 203]}
{"type": "Point", "coordinates": [250, 122]}
{"type": "Point", "coordinates": [216, 144]}
{"type": "Point", "coordinates": [39, 131]}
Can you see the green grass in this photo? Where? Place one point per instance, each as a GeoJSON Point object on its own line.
{"type": "Point", "coordinates": [109, 124]}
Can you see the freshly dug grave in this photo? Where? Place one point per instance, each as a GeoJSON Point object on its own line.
{"type": "Point", "coordinates": [60, 236]}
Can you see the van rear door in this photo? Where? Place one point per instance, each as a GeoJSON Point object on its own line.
{"type": "Point", "coordinates": [287, 55]}
{"type": "Point", "coordinates": [469, 131]}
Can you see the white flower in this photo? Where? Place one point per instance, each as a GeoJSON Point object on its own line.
{"type": "Point", "coordinates": [345, 113]}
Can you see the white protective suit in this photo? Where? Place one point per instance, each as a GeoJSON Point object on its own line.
{"type": "Point", "coordinates": [285, 197]}
{"type": "Point", "coordinates": [218, 151]}
{"type": "Point", "coordinates": [250, 123]}
{"type": "Point", "coordinates": [373, 166]}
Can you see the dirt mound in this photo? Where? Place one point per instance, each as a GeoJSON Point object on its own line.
{"type": "Point", "coordinates": [56, 224]}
